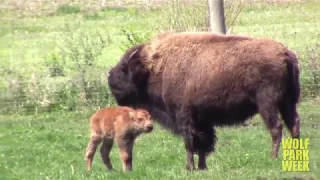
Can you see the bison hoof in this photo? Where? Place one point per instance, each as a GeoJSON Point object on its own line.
{"type": "Point", "coordinates": [202, 168]}
{"type": "Point", "coordinates": [273, 157]}
{"type": "Point", "coordinates": [190, 168]}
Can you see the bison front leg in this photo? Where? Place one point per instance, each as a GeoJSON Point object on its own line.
{"type": "Point", "coordinates": [202, 165]}
{"type": "Point", "coordinates": [190, 156]}
{"type": "Point", "coordinates": [185, 118]}
{"type": "Point", "coordinates": [204, 142]}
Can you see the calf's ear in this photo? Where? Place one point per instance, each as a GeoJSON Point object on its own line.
{"type": "Point", "coordinates": [131, 115]}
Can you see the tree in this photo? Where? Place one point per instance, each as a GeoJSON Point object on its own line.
{"type": "Point", "coordinates": [217, 17]}
{"type": "Point", "coordinates": [218, 23]}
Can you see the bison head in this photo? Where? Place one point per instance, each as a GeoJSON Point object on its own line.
{"type": "Point", "coordinates": [128, 78]}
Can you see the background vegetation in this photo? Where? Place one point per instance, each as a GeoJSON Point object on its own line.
{"type": "Point", "coordinates": [54, 58]}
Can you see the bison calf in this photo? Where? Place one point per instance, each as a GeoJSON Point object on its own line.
{"type": "Point", "coordinates": [122, 124]}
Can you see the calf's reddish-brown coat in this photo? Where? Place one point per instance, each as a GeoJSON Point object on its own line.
{"type": "Point", "coordinates": [122, 124]}
{"type": "Point", "coordinates": [191, 82]}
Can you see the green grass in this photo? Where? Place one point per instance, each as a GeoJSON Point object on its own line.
{"type": "Point", "coordinates": [52, 145]}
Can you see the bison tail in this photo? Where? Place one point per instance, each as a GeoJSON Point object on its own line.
{"type": "Point", "coordinates": [293, 82]}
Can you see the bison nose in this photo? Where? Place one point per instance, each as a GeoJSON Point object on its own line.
{"type": "Point", "coordinates": [149, 128]}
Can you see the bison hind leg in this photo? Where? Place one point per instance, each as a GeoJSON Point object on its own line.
{"type": "Point", "coordinates": [268, 110]}
{"type": "Point", "coordinates": [290, 117]}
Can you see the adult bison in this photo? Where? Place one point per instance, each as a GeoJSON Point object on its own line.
{"type": "Point", "coordinates": [192, 82]}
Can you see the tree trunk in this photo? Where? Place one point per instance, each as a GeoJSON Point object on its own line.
{"type": "Point", "coordinates": [217, 19]}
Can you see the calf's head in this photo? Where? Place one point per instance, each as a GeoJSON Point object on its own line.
{"type": "Point", "coordinates": [127, 80]}
{"type": "Point", "coordinates": [142, 121]}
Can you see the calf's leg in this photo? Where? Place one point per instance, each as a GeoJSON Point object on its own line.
{"type": "Point", "coordinates": [125, 147]}
{"type": "Point", "coordinates": [105, 152]}
{"type": "Point", "coordinates": [91, 149]}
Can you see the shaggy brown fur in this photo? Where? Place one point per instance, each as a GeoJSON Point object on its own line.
{"type": "Point", "coordinates": [191, 82]}
{"type": "Point", "coordinates": [122, 124]}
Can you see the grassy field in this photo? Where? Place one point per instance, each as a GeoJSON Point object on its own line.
{"type": "Point", "coordinates": [51, 145]}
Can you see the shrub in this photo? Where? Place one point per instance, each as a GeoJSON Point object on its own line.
{"type": "Point", "coordinates": [55, 65]}
{"type": "Point", "coordinates": [71, 79]}
{"type": "Point", "coordinates": [79, 52]}
{"type": "Point", "coordinates": [311, 73]}
{"type": "Point", "coordinates": [67, 9]}
{"type": "Point", "coordinates": [133, 37]}
{"type": "Point", "coordinates": [191, 15]}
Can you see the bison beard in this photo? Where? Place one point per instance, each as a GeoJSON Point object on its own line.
{"type": "Point", "coordinates": [192, 82]}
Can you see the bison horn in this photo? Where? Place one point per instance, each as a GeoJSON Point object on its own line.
{"type": "Point", "coordinates": [133, 53]}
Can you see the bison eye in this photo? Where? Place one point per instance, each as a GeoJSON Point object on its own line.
{"type": "Point", "coordinates": [124, 69]}
{"type": "Point", "coordinates": [140, 119]}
